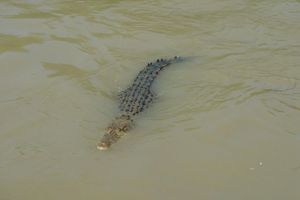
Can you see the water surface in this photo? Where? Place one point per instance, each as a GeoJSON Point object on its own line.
{"type": "Point", "coordinates": [225, 124]}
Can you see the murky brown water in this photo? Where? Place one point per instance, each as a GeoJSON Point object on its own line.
{"type": "Point", "coordinates": [225, 125]}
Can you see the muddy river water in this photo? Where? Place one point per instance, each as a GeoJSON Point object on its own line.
{"type": "Point", "coordinates": [225, 124]}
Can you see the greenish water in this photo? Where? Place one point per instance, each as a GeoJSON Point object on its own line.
{"type": "Point", "coordinates": [225, 125]}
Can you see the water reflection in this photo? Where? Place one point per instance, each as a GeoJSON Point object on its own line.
{"type": "Point", "coordinates": [17, 43]}
{"type": "Point", "coordinates": [70, 72]}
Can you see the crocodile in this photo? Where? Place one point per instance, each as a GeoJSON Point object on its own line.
{"type": "Point", "coordinates": [134, 100]}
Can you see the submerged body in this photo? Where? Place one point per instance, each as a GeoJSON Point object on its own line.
{"type": "Point", "coordinates": [134, 100]}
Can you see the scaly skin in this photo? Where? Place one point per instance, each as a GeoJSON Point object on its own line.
{"type": "Point", "coordinates": [115, 131]}
{"type": "Point", "coordinates": [134, 100]}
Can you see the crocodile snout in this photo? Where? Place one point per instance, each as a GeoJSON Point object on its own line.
{"type": "Point", "coordinates": [103, 146]}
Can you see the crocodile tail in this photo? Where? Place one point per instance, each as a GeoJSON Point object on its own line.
{"type": "Point", "coordinates": [162, 63]}
{"type": "Point", "coordinates": [175, 59]}
{"type": "Point", "coordinates": [170, 61]}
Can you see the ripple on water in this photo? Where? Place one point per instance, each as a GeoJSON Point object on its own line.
{"type": "Point", "coordinates": [198, 94]}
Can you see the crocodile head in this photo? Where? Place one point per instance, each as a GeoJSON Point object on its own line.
{"type": "Point", "coordinates": [114, 132]}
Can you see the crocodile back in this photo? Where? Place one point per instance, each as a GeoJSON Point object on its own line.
{"type": "Point", "coordinates": [139, 96]}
